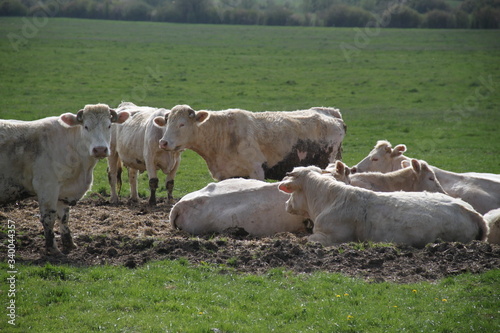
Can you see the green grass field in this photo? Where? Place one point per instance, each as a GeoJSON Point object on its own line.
{"type": "Point", "coordinates": [437, 91]}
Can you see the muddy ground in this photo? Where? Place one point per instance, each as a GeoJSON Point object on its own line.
{"type": "Point", "coordinates": [132, 235]}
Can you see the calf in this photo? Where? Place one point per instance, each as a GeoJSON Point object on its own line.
{"type": "Point", "coordinates": [258, 145]}
{"type": "Point", "coordinates": [417, 177]}
{"type": "Point", "coordinates": [256, 206]}
{"type": "Point", "coordinates": [53, 160]}
{"type": "Point", "coordinates": [483, 193]}
{"type": "Point", "coordinates": [135, 144]}
{"type": "Point", "coordinates": [343, 213]}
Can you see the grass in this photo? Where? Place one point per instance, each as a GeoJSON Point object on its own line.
{"type": "Point", "coordinates": [172, 296]}
{"type": "Point", "coordinates": [434, 90]}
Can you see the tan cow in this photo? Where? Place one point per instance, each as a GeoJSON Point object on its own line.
{"type": "Point", "coordinates": [483, 193]}
{"type": "Point", "coordinates": [254, 205]}
{"type": "Point", "coordinates": [53, 160]}
{"type": "Point", "coordinates": [493, 220]}
{"type": "Point", "coordinates": [258, 145]}
{"type": "Point", "coordinates": [135, 144]}
{"type": "Point", "coordinates": [416, 177]}
{"type": "Point", "coordinates": [343, 213]}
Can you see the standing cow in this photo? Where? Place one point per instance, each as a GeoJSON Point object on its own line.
{"type": "Point", "coordinates": [135, 144]}
{"type": "Point", "coordinates": [417, 177]}
{"type": "Point", "coordinates": [343, 213]}
{"type": "Point", "coordinates": [483, 193]}
{"type": "Point", "coordinates": [53, 159]}
{"type": "Point", "coordinates": [260, 145]}
{"type": "Point", "coordinates": [254, 205]}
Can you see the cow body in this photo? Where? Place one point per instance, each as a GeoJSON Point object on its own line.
{"type": "Point", "coordinates": [493, 220]}
{"type": "Point", "coordinates": [52, 159]}
{"type": "Point", "coordinates": [135, 144]}
{"type": "Point", "coordinates": [417, 177]}
{"type": "Point", "coordinates": [260, 145]}
{"type": "Point", "coordinates": [256, 206]}
{"type": "Point", "coordinates": [483, 193]}
{"type": "Point", "coordinates": [343, 213]}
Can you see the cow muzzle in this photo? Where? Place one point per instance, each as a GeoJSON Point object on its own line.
{"type": "Point", "coordinates": [164, 145]}
{"type": "Point", "coordinates": [100, 152]}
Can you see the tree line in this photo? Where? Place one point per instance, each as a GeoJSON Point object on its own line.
{"type": "Point", "coordinates": [477, 14]}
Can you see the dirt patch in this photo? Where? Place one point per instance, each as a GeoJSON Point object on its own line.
{"type": "Point", "coordinates": [132, 235]}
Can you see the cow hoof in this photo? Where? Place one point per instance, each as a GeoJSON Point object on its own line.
{"type": "Point", "coordinates": [53, 252]}
{"type": "Point", "coordinates": [68, 248]}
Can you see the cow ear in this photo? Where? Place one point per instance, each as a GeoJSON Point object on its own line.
{"type": "Point", "coordinates": [286, 187]}
{"type": "Point", "coordinates": [340, 167]}
{"type": "Point", "coordinates": [70, 120]}
{"type": "Point", "coordinates": [416, 165]}
{"type": "Point", "coordinates": [119, 118]}
{"type": "Point", "coordinates": [405, 164]}
{"type": "Point", "coordinates": [398, 150]}
{"type": "Point", "coordinates": [201, 117]}
{"type": "Point", "coordinates": [160, 121]}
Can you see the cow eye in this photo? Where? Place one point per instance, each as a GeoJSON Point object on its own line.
{"type": "Point", "coordinates": [374, 159]}
{"type": "Point", "coordinates": [431, 179]}
{"type": "Point", "coordinates": [86, 128]}
{"type": "Point", "coordinates": [181, 125]}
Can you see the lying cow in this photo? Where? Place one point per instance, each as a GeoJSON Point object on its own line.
{"type": "Point", "coordinates": [53, 159]}
{"type": "Point", "coordinates": [493, 220]}
{"type": "Point", "coordinates": [260, 145]}
{"type": "Point", "coordinates": [417, 177]}
{"type": "Point", "coordinates": [343, 213]}
{"type": "Point", "coordinates": [483, 193]}
{"type": "Point", "coordinates": [256, 206]}
{"type": "Point", "coordinates": [135, 144]}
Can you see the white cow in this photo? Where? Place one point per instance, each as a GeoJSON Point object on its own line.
{"type": "Point", "coordinates": [53, 159]}
{"type": "Point", "coordinates": [258, 145]}
{"type": "Point", "coordinates": [483, 193]}
{"type": "Point", "coordinates": [343, 213]}
{"type": "Point", "coordinates": [416, 177]}
{"type": "Point", "coordinates": [135, 144]}
{"type": "Point", "coordinates": [256, 206]}
{"type": "Point", "coordinates": [493, 220]}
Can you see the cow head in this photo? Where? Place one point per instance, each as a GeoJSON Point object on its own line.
{"type": "Point", "coordinates": [293, 184]}
{"type": "Point", "coordinates": [95, 127]}
{"type": "Point", "coordinates": [425, 178]}
{"type": "Point", "coordinates": [181, 125]}
{"type": "Point", "coordinates": [383, 158]}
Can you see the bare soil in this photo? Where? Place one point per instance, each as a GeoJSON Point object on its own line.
{"type": "Point", "coordinates": [132, 235]}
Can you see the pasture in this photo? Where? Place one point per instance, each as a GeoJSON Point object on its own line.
{"type": "Point", "coordinates": [434, 90]}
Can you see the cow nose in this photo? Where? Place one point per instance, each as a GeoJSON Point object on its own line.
{"type": "Point", "coordinates": [163, 144]}
{"type": "Point", "coordinates": [353, 170]}
{"type": "Point", "coordinates": [100, 152]}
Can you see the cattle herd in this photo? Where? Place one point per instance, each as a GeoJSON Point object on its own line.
{"type": "Point", "coordinates": [386, 197]}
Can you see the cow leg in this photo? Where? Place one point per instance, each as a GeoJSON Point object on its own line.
{"type": "Point", "coordinates": [48, 218]}
{"type": "Point", "coordinates": [47, 193]}
{"type": "Point", "coordinates": [132, 178]}
{"type": "Point", "coordinates": [153, 185]}
{"type": "Point", "coordinates": [169, 185]}
{"type": "Point", "coordinates": [67, 240]}
{"type": "Point", "coordinates": [114, 177]}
